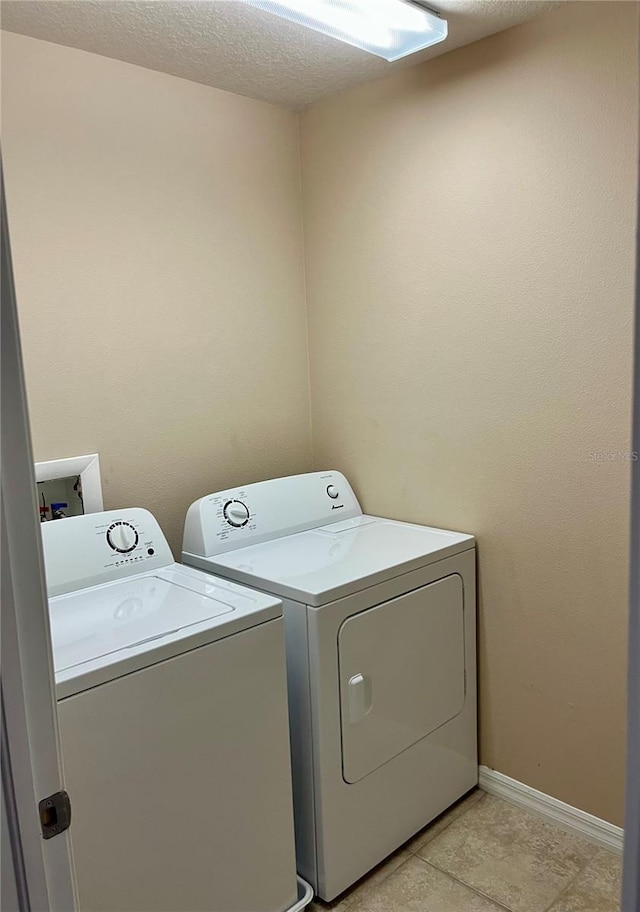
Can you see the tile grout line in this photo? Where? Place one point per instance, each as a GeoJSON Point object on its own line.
{"type": "Point", "coordinates": [547, 908]}
{"type": "Point", "coordinates": [352, 905]}
{"type": "Point", "coordinates": [359, 902]}
{"type": "Point", "coordinates": [447, 825]}
{"type": "Point", "coordinates": [568, 886]}
{"type": "Point", "coordinates": [457, 880]}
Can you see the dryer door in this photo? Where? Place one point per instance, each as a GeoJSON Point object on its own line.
{"type": "Point", "coordinates": [401, 673]}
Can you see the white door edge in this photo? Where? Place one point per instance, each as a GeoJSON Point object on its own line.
{"type": "Point", "coordinates": [31, 768]}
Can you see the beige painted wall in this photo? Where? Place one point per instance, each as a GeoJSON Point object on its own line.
{"type": "Point", "coordinates": [469, 242]}
{"type": "Point", "coordinates": [157, 245]}
{"type": "Point", "coordinates": [468, 230]}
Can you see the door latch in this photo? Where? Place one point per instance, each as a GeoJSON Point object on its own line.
{"type": "Point", "coordinates": [55, 814]}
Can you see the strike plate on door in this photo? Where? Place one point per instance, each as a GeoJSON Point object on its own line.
{"type": "Point", "coordinates": [55, 814]}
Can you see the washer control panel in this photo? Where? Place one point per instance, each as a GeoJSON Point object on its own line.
{"type": "Point", "coordinates": [122, 536]}
{"type": "Point", "coordinates": [82, 551]}
{"type": "Point", "coordinates": [269, 509]}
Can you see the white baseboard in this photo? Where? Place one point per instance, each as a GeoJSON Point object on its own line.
{"type": "Point", "coordinates": [563, 815]}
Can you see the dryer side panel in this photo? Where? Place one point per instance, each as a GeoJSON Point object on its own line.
{"type": "Point", "coordinates": [301, 734]}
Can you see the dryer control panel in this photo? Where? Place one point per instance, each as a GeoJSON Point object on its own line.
{"type": "Point", "coordinates": [82, 551]}
{"type": "Point", "coordinates": [268, 509]}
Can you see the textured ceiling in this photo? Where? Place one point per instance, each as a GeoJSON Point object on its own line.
{"type": "Point", "coordinates": [229, 45]}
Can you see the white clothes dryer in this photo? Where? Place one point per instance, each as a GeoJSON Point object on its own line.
{"type": "Point", "coordinates": [380, 627]}
{"type": "Point", "coordinates": [172, 707]}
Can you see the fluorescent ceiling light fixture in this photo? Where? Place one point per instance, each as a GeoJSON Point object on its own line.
{"type": "Point", "coordinates": [387, 28]}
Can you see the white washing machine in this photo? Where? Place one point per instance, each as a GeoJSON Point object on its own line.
{"type": "Point", "coordinates": [172, 706]}
{"type": "Point", "coordinates": [380, 625]}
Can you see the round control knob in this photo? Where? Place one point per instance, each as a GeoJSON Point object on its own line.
{"type": "Point", "coordinates": [122, 537]}
{"type": "Point", "coordinates": [333, 492]}
{"type": "Point", "coordinates": [236, 513]}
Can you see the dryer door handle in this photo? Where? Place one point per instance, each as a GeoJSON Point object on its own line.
{"type": "Point", "coordinates": [360, 697]}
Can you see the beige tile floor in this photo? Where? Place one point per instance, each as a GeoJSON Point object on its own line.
{"type": "Point", "coordinates": [484, 855]}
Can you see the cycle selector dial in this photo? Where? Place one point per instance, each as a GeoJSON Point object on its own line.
{"type": "Point", "coordinates": [236, 513]}
{"type": "Point", "coordinates": [122, 537]}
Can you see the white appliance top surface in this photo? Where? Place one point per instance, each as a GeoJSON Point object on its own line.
{"type": "Point", "coordinates": [109, 630]}
{"type": "Point", "coordinates": [322, 564]}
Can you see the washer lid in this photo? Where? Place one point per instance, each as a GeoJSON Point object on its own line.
{"type": "Point", "coordinates": [106, 631]}
{"type": "Point", "coordinates": [330, 562]}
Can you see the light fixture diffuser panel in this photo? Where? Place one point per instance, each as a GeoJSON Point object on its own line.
{"type": "Point", "coordinates": [387, 28]}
